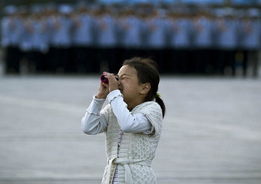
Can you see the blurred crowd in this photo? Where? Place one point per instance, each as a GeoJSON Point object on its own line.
{"type": "Point", "coordinates": [90, 39]}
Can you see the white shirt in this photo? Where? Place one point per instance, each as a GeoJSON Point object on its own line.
{"type": "Point", "coordinates": [93, 122]}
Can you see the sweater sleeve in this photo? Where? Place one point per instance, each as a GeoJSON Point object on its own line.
{"type": "Point", "coordinates": [94, 120]}
{"type": "Point", "coordinates": [130, 123]}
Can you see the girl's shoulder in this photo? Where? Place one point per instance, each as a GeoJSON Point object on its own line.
{"type": "Point", "coordinates": [150, 103]}
{"type": "Point", "coordinates": [148, 107]}
{"type": "Point", "coordinates": [153, 113]}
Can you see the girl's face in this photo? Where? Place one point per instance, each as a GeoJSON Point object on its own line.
{"type": "Point", "coordinates": [132, 90]}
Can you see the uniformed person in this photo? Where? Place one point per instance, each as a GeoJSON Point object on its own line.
{"type": "Point", "coordinates": [203, 42]}
{"type": "Point", "coordinates": [106, 39]}
{"type": "Point", "coordinates": [39, 39]}
{"type": "Point", "coordinates": [26, 41]}
{"type": "Point", "coordinates": [11, 34]}
{"type": "Point", "coordinates": [61, 38]}
{"type": "Point", "coordinates": [50, 14]}
{"type": "Point", "coordinates": [83, 41]}
{"type": "Point", "coordinates": [227, 40]}
{"type": "Point", "coordinates": [6, 38]}
{"type": "Point", "coordinates": [251, 40]}
{"type": "Point", "coordinates": [130, 26]}
{"type": "Point", "coordinates": [156, 37]}
{"type": "Point", "coordinates": [180, 42]}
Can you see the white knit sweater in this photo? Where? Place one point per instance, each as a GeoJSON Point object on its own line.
{"type": "Point", "coordinates": [138, 142]}
{"type": "Point", "coordinates": [136, 151]}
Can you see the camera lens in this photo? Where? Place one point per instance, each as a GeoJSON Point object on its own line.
{"type": "Point", "coordinates": [104, 79]}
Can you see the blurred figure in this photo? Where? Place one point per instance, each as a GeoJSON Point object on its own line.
{"type": "Point", "coordinates": [131, 28]}
{"type": "Point", "coordinates": [11, 34]}
{"type": "Point", "coordinates": [203, 28]}
{"type": "Point", "coordinates": [180, 42]}
{"type": "Point", "coordinates": [83, 40]}
{"type": "Point", "coordinates": [26, 41]}
{"type": "Point", "coordinates": [40, 40]}
{"type": "Point", "coordinates": [61, 25]}
{"type": "Point", "coordinates": [250, 28]}
{"type": "Point", "coordinates": [227, 27]}
{"type": "Point", "coordinates": [156, 43]}
{"type": "Point", "coordinates": [106, 39]}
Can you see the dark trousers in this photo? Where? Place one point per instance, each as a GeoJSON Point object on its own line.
{"type": "Point", "coordinates": [60, 59]}
{"type": "Point", "coordinates": [180, 61]}
{"type": "Point", "coordinates": [12, 58]}
{"type": "Point", "coordinates": [251, 60]}
{"type": "Point", "coordinates": [226, 61]}
{"type": "Point", "coordinates": [85, 60]}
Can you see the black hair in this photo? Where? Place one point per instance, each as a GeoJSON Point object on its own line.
{"type": "Point", "coordinates": [147, 72]}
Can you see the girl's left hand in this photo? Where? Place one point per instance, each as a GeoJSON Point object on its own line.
{"type": "Point", "coordinates": [113, 82]}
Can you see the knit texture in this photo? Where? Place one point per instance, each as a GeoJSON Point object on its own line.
{"type": "Point", "coordinates": [136, 151]}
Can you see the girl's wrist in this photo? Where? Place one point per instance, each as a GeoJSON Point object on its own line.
{"type": "Point", "coordinates": [112, 89]}
{"type": "Point", "coordinates": [100, 96]}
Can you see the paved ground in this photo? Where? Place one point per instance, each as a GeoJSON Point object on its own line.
{"type": "Point", "coordinates": [211, 135]}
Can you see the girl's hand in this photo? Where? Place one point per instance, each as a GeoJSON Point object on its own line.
{"type": "Point", "coordinates": [104, 88]}
{"type": "Point", "coordinates": [113, 81]}
{"type": "Point", "coordinates": [103, 91]}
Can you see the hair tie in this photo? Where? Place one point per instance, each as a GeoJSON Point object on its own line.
{"type": "Point", "coordinates": [157, 95]}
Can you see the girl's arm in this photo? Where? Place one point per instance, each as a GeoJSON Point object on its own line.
{"type": "Point", "coordinates": [94, 122]}
{"type": "Point", "coordinates": [129, 123]}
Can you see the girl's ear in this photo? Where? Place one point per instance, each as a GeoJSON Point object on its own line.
{"type": "Point", "coordinates": [145, 88]}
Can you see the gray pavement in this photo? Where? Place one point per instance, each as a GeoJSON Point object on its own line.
{"type": "Point", "coordinates": [211, 133]}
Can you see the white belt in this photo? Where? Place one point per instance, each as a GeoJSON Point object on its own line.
{"type": "Point", "coordinates": [126, 164]}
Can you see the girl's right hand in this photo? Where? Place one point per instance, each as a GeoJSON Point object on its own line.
{"type": "Point", "coordinates": [103, 91]}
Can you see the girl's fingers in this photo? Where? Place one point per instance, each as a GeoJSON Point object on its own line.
{"type": "Point", "coordinates": [104, 85]}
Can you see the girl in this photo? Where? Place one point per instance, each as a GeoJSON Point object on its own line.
{"type": "Point", "coordinates": [132, 121]}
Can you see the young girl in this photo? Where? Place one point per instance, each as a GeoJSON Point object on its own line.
{"type": "Point", "coordinates": [132, 121]}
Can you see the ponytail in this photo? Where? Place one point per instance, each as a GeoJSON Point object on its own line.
{"type": "Point", "coordinates": [161, 103]}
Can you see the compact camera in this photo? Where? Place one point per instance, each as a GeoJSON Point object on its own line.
{"type": "Point", "coordinates": [105, 80]}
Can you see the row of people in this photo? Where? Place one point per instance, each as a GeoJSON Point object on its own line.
{"type": "Point", "coordinates": [75, 39]}
{"type": "Point", "coordinates": [102, 28]}
{"type": "Point", "coordinates": [96, 59]}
